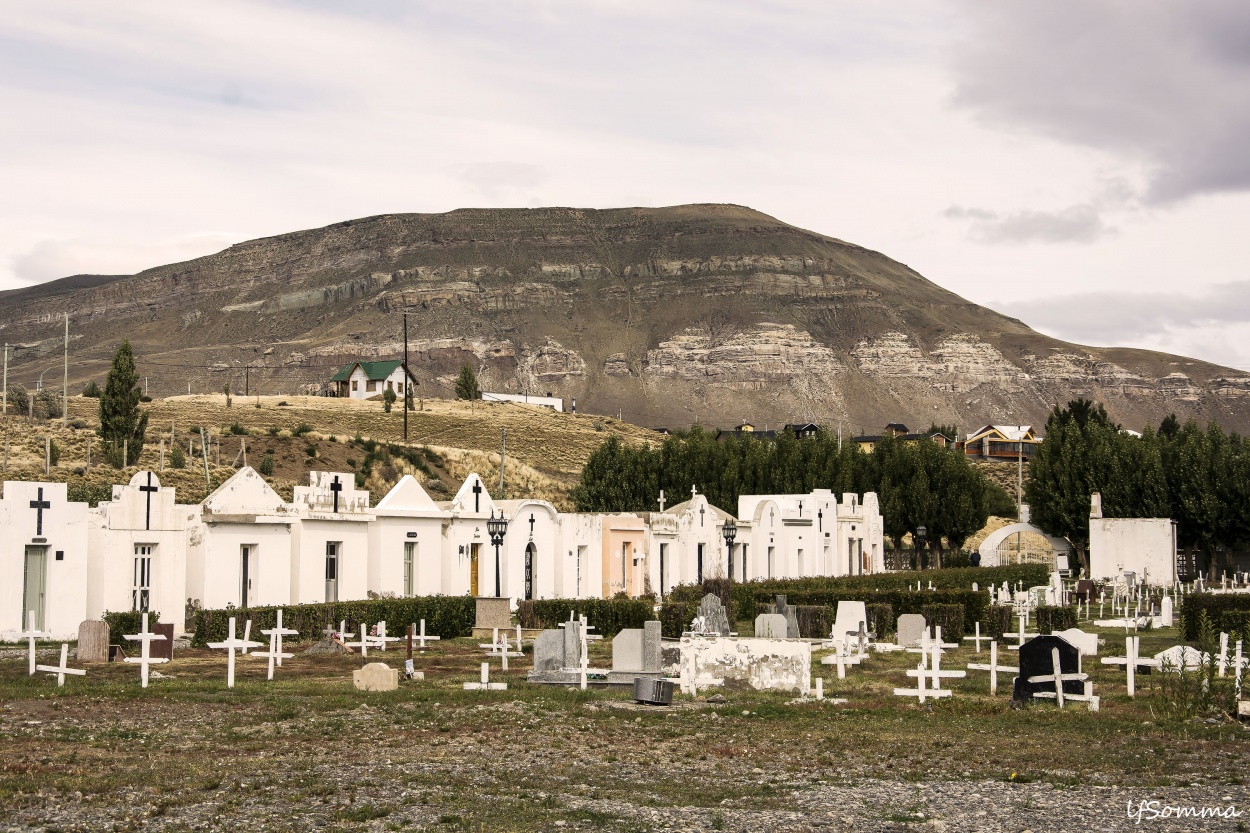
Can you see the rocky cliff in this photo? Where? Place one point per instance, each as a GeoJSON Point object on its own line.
{"type": "Point", "coordinates": [714, 313]}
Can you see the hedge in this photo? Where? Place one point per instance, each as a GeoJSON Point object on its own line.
{"type": "Point", "coordinates": [445, 616]}
{"type": "Point", "coordinates": [948, 617]}
{"type": "Point", "coordinates": [125, 622]}
{"type": "Point", "coordinates": [998, 620]}
{"type": "Point", "coordinates": [1217, 607]}
{"type": "Point", "coordinates": [1237, 624]}
{"type": "Point", "coordinates": [607, 616]}
{"type": "Point", "coordinates": [1051, 618]}
{"type": "Point", "coordinates": [675, 618]}
{"type": "Point", "coordinates": [815, 621]}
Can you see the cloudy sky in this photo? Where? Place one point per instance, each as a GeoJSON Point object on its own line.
{"type": "Point", "coordinates": [1080, 164]}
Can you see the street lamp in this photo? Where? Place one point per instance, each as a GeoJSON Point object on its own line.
{"type": "Point", "coordinates": [921, 532]}
{"type": "Point", "coordinates": [730, 531]}
{"type": "Point", "coordinates": [497, 527]}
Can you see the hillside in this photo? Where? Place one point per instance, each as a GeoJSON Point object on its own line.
{"type": "Point", "coordinates": [714, 313]}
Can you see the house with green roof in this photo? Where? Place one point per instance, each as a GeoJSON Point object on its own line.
{"type": "Point", "coordinates": [363, 380]}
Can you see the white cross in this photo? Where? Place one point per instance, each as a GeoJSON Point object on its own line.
{"type": "Point", "coordinates": [499, 648]}
{"type": "Point", "coordinates": [978, 639]}
{"type": "Point", "coordinates": [421, 638]}
{"type": "Point", "coordinates": [1223, 657]}
{"type": "Point", "coordinates": [935, 674]}
{"type": "Point", "coordinates": [820, 688]}
{"type": "Point", "coordinates": [381, 639]}
{"type": "Point", "coordinates": [937, 638]}
{"type": "Point", "coordinates": [919, 690]}
{"type": "Point", "coordinates": [993, 667]}
{"type": "Point", "coordinates": [61, 670]}
{"type": "Point", "coordinates": [485, 684]}
{"type": "Point", "coordinates": [275, 635]}
{"type": "Point", "coordinates": [231, 645]}
{"type": "Point", "coordinates": [247, 635]}
{"type": "Point", "coordinates": [1020, 637]}
{"type": "Point", "coordinates": [585, 665]}
{"type": "Point", "coordinates": [1131, 660]}
{"type": "Point", "coordinates": [661, 500]}
{"type": "Point", "coordinates": [31, 635]}
{"type": "Point", "coordinates": [364, 643]}
{"type": "Point", "coordinates": [1059, 678]}
{"type": "Point", "coordinates": [145, 658]}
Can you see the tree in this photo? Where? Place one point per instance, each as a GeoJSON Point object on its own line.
{"type": "Point", "coordinates": [226, 390]}
{"type": "Point", "coordinates": [19, 399]}
{"type": "Point", "coordinates": [388, 399]}
{"type": "Point", "coordinates": [466, 384]}
{"type": "Point", "coordinates": [122, 423]}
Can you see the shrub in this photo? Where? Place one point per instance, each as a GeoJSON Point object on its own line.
{"type": "Point", "coordinates": [1216, 606]}
{"type": "Point", "coordinates": [881, 621]}
{"type": "Point", "coordinates": [948, 617]}
{"type": "Point", "coordinates": [815, 621]}
{"type": "Point", "coordinates": [91, 391]}
{"type": "Point", "coordinates": [675, 617]}
{"type": "Point", "coordinates": [177, 457]}
{"type": "Point", "coordinates": [238, 430]}
{"type": "Point", "coordinates": [310, 450]}
{"type": "Point", "coordinates": [273, 430]}
{"type": "Point", "coordinates": [125, 622]}
{"type": "Point", "coordinates": [608, 616]}
{"type": "Point", "coordinates": [445, 616]}
{"type": "Point", "coordinates": [997, 621]}
{"type": "Point", "coordinates": [1237, 624]}
{"type": "Point", "coordinates": [19, 399]}
{"type": "Point", "coordinates": [92, 494]}
{"type": "Point", "coordinates": [388, 400]}
{"type": "Point", "coordinates": [1053, 618]}
{"type": "Point", "coordinates": [301, 429]}
{"type": "Point", "coordinates": [54, 453]}
{"type": "Point", "coordinates": [266, 465]}
{"type": "Point", "coordinates": [48, 405]}
{"type": "Point", "coordinates": [143, 397]}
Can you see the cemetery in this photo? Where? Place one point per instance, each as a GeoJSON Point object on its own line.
{"type": "Point", "coordinates": [778, 710]}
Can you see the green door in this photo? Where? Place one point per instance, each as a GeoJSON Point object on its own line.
{"type": "Point", "coordinates": [34, 585]}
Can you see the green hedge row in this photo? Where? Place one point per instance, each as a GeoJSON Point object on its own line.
{"type": "Point", "coordinates": [975, 604]}
{"type": "Point", "coordinates": [1217, 607]}
{"type": "Point", "coordinates": [998, 621]}
{"type": "Point", "coordinates": [125, 622]}
{"type": "Point", "coordinates": [1054, 618]}
{"type": "Point", "coordinates": [607, 616]}
{"type": "Point", "coordinates": [445, 616]}
{"type": "Point", "coordinates": [949, 617]}
{"type": "Point", "coordinates": [1237, 624]}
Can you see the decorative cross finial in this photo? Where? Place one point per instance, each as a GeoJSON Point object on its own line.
{"type": "Point", "coordinates": [694, 490]}
{"type": "Point", "coordinates": [477, 495]}
{"type": "Point", "coordinates": [335, 488]}
{"type": "Point", "coordinates": [661, 500]}
{"type": "Point", "coordinates": [39, 505]}
{"type": "Point", "coordinates": [147, 524]}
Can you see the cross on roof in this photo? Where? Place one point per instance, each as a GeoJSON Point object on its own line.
{"type": "Point", "coordinates": [694, 490]}
{"type": "Point", "coordinates": [147, 521]}
{"type": "Point", "coordinates": [40, 505]}
{"type": "Point", "coordinates": [335, 488]}
{"type": "Point", "coordinates": [701, 510]}
{"type": "Point", "coordinates": [477, 495]}
{"type": "Point", "coordinates": [661, 500]}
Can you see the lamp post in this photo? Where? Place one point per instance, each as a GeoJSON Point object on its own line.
{"type": "Point", "coordinates": [497, 527]}
{"type": "Point", "coordinates": [921, 532]}
{"type": "Point", "coordinates": [730, 531]}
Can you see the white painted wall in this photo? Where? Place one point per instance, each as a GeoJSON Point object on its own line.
{"type": "Point", "coordinates": [1146, 546]}
{"type": "Point", "coordinates": [65, 531]}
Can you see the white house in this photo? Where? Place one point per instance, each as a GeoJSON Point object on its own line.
{"type": "Point", "coordinates": [240, 545]}
{"type": "Point", "coordinates": [1143, 546]}
{"type": "Point", "coordinates": [330, 544]}
{"type": "Point", "coordinates": [531, 548]}
{"type": "Point", "coordinates": [138, 552]}
{"type": "Point", "coordinates": [406, 542]}
{"type": "Point", "coordinates": [555, 403]}
{"type": "Point", "coordinates": [43, 559]}
{"type": "Point", "coordinates": [363, 380]}
{"type": "Point", "coordinates": [468, 557]}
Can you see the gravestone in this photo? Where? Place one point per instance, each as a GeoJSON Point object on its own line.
{"type": "Point", "coordinates": [93, 641]}
{"type": "Point", "coordinates": [549, 650]}
{"type": "Point", "coordinates": [1085, 589]}
{"type": "Point", "coordinates": [627, 650]}
{"type": "Point", "coordinates": [163, 648]}
{"type": "Point", "coordinates": [911, 627]}
{"type": "Point", "coordinates": [1180, 657]}
{"type": "Point", "coordinates": [1086, 642]}
{"type": "Point", "coordinates": [1165, 611]}
{"type": "Point", "coordinates": [376, 676]}
{"type": "Point", "coordinates": [790, 612]}
{"type": "Point", "coordinates": [850, 616]}
{"type": "Point", "coordinates": [493, 612]}
{"type": "Point", "coordinates": [713, 615]}
{"type": "Point", "coordinates": [651, 650]}
{"type": "Point", "coordinates": [771, 626]}
{"type": "Point", "coordinates": [1035, 661]}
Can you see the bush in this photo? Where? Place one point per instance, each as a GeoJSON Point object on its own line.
{"type": "Point", "coordinates": [301, 429]}
{"type": "Point", "coordinates": [881, 621]}
{"type": "Point", "coordinates": [238, 430]}
{"type": "Point", "coordinates": [266, 465]}
{"type": "Point", "coordinates": [92, 494]}
{"type": "Point", "coordinates": [1237, 624]}
{"type": "Point", "coordinates": [815, 621]}
{"type": "Point", "coordinates": [388, 400]}
{"type": "Point", "coordinates": [445, 616]}
{"type": "Point", "coordinates": [48, 405]}
{"type": "Point", "coordinates": [19, 400]}
{"type": "Point", "coordinates": [54, 453]}
{"type": "Point", "coordinates": [91, 391]}
{"type": "Point", "coordinates": [310, 450]}
{"type": "Point", "coordinates": [608, 616]}
{"type": "Point", "coordinates": [948, 617]}
{"type": "Point", "coordinates": [127, 622]}
{"type": "Point", "coordinates": [177, 457]}
{"type": "Point", "coordinates": [1216, 606]}
{"type": "Point", "coordinates": [143, 397]}
{"type": "Point", "coordinates": [273, 430]}
{"type": "Point", "coordinates": [1053, 618]}
{"type": "Point", "coordinates": [675, 618]}
{"type": "Point", "coordinates": [998, 620]}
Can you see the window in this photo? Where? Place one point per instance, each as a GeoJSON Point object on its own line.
{"type": "Point", "coordinates": [141, 592]}
{"type": "Point", "coordinates": [390, 385]}
{"type": "Point", "coordinates": [371, 385]}
{"type": "Point", "coordinates": [355, 384]}
{"type": "Point", "coordinates": [332, 571]}
{"type": "Point", "coordinates": [410, 562]}
{"type": "Point", "coordinates": [399, 387]}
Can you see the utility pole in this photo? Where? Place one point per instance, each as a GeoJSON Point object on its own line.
{"type": "Point", "coordinates": [503, 450]}
{"type": "Point", "coordinates": [5, 409]}
{"type": "Point", "coordinates": [407, 378]}
{"type": "Point", "coordinates": [246, 381]}
{"type": "Point", "coordinates": [65, 378]}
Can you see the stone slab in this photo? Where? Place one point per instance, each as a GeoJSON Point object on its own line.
{"type": "Point", "coordinates": [376, 676]}
{"type": "Point", "coordinates": [163, 648]}
{"type": "Point", "coordinates": [850, 615]}
{"type": "Point", "coordinates": [651, 649]}
{"type": "Point", "coordinates": [627, 650]}
{"type": "Point", "coordinates": [93, 641]}
{"type": "Point", "coordinates": [549, 650]}
{"type": "Point", "coordinates": [771, 626]}
{"type": "Point", "coordinates": [493, 612]}
{"type": "Point", "coordinates": [1087, 643]}
{"type": "Point", "coordinates": [746, 663]}
{"type": "Point", "coordinates": [910, 630]}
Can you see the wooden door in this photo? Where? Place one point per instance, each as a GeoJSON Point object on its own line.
{"type": "Point", "coordinates": [475, 550]}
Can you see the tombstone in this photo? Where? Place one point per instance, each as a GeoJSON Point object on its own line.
{"type": "Point", "coordinates": [1086, 642]}
{"type": "Point", "coordinates": [1180, 657]}
{"type": "Point", "coordinates": [790, 612]}
{"type": "Point", "coordinates": [493, 612]}
{"type": "Point", "coordinates": [715, 620]}
{"type": "Point", "coordinates": [1085, 590]}
{"type": "Point", "coordinates": [850, 616]}
{"type": "Point", "coordinates": [93, 641]}
{"type": "Point", "coordinates": [376, 676]}
{"type": "Point", "coordinates": [1165, 611]}
{"type": "Point", "coordinates": [651, 647]}
{"type": "Point", "coordinates": [549, 650]}
{"type": "Point", "coordinates": [627, 650]}
{"type": "Point", "coordinates": [771, 626]}
{"type": "Point", "coordinates": [163, 649]}
{"type": "Point", "coordinates": [911, 628]}
{"type": "Point", "coordinates": [1035, 661]}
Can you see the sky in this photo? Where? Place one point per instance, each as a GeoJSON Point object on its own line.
{"type": "Point", "coordinates": [1079, 164]}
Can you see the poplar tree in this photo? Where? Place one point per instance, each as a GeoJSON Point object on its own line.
{"type": "Point", "coordinates": [122, 423]}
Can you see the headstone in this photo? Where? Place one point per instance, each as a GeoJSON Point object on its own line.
{"type": "Point", "coordinates": [1035, 661]}
{"type": "Point", "coordinates": [715, 620]}
{"type": "Point", "coordinates": [771, 626]}
{"type": "Point", "coordinates": [651, 646]}
{"type": "Point", "coordinates": [1086, 642]}
{"type": "Point", "coordinates": [493, 612]}
{"type": "Point", "coordinates": [1180, 657]}
{"type": "Point", "coordinates": [850, 616]}
{"type": "Point", "coordinates": [1084, 589]}
{"type": "Point", "coordinates": [1165, 608]}
{"type": "Point", "coordinates": [93, 641]}
{"type": "Point", "coordinates": [163, 649]}
{"type": "Point", "coordinates": [376, 676]}
{"type": "Point", "coordinates": [627, 650]}
{"type": "Point", "coordinates": [549, 650]}
{"type": "Point", "coordinates": [911, 629]}
{"type": "Point", "coordinates": [781, 608]}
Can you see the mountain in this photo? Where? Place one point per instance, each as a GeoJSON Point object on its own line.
{"type": "Point", "coordinates": [715, 313]}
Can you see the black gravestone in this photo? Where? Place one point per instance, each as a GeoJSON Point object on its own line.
{"type": "Point", "coordinates": [1035, 661]}
{"type": "Point", "coordinates": [1085, 590]}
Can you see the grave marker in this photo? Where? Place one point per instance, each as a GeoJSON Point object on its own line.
{"type": "Point", "coordinates": [61, 670]}
{"type": "Point", "coordinates": [31, 634]}
{"type": "Point", "coordinates": [230, 645]}
{"type": "Point", "coordinates": [993, 667]}
{"type": "Point", "coordinates": [485, 684]}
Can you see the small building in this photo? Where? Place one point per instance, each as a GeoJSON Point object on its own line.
{"type": "Point", "coordinates": [801, 430]}
{"type": "Point", "coordinates": [406, 542]}
{"type": "Point", "coordinates": [43, 559]}
{"type": "Point", "coordinates": [555, 403]}
{"type": "Point", "coordinates": [363, 380]}
{"type": "Point", "coordinates": [1001, 442]}
{"type": "Point", "coordinates": [330, 544]}
{"type": "Point", "coordinates": [1145, 547]}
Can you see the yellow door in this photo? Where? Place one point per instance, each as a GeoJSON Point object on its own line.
{"type": "Point", "coordinates": [474, 550]}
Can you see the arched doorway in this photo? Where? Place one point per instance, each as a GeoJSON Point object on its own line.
{"type": "Point", "coordinates": [530, 556]}
{"type": "Point", "coordinates": [1021, 543]}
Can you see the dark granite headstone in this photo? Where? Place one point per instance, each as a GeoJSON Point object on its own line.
{"type": "Point", "coordinates": [163, 648]}
{"type": "Point", "coordinates": [1035, 661]}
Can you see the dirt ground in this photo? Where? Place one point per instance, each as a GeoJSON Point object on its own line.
{"type": "Point", "coordinates": [309, 752]}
